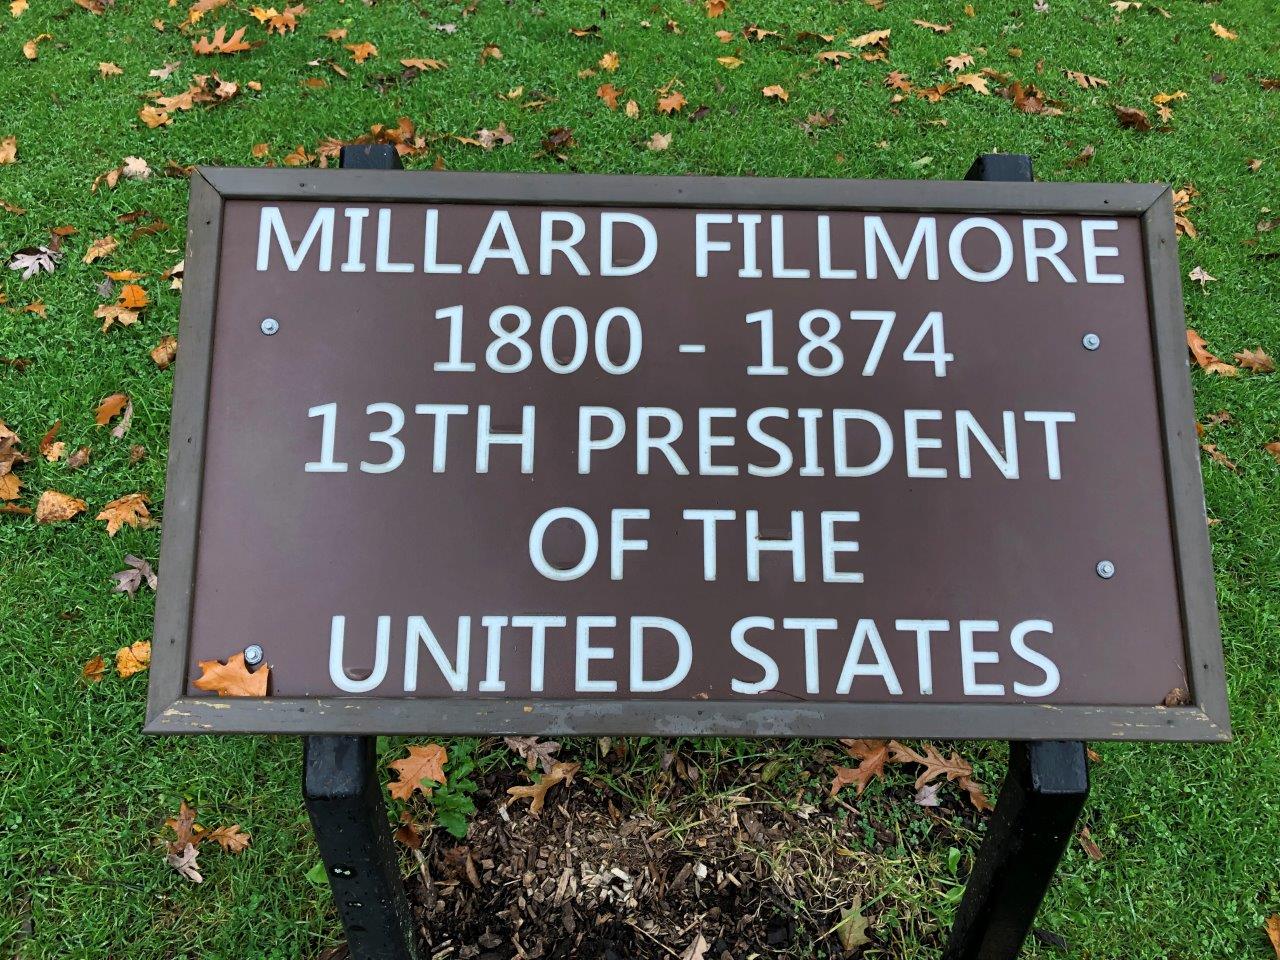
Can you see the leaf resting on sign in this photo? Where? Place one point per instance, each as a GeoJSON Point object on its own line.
{"type": "Point", "coordinates": [233, 678]}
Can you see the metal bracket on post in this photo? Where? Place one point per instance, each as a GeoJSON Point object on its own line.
{"type": "Point", "coordinates": [344, 799]}
{"type": "Point", "coordinates": [1039, 802]}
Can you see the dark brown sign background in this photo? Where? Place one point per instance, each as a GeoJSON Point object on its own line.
{"type": "Point", "coordinates": [280, 551]}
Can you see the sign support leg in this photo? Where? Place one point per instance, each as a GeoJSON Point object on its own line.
{"type": "Point", "coordinates": [1041, 797]}
{"type": "Point", "coordinates": [344, 801]}
{"type": "Point", "coordinates": [344, 798]}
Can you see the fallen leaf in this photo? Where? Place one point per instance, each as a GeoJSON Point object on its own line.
{"type": "Point", "coordinates": [231, 839]}
{"type": "Point", "coordinates": [1273, 932]}
{"type": "Point", "coordinates": [1090, 848]}
{"type": "Point", "coordinates": [671, 103]}
{"type": "Point", "coordinates": [715, 8]}
{"type": "Point", "coordinates": [632, 109]}
{"type": "Point", "coordinates": [834, 56]}
{"type": "Point", "coordinates": [108, 69]}
{"type": "Point", "coordinates": [659, 141]}
{"type": "Point", "coordinates": [133, 659]}
{"type": "Point", "coordinates": [852, 928]}
{"type": "Point", "coordinates": [1132, 118]}
{"type": "Point", "coordinates": [1200, 276]}
{"type": "Point", "coordinates": [10, 455]}
{"type": "Point", "coordinates": [1254, 165]}
{"type": "Point", "coordinates": [697, 950]}
{"type": "Point", "coordinates": [165, 352]}
{"type": "Point", "coordinates": [1084, 158]}
{"type": "Point", "coordinates": [1221, 31]}
{"type": "Point", "coordinates": [955, 768]}
{"type": "Point", "coordinates": [1084, 81]}
{"type": "Point", "coordinates": [129, 510]}
{"type": "Point", "coordinates": [958, 62]}
{"type": "Point", "coordinates": [10, 486]}
{"type": "Point", "coordinates": [220, 43]}
{"type": "Point", "coordinates": [425, 762]}
{"type": "Point", "coordinates": [609, 94]}
{"type": "Point", "coordinates": [935, 27]}
{"type": "Point", "coordinates": [927, 796]}
{"type": "Point", "coordinates": [729, 63]}
{"type": "Point", "coordinates": [164, 72]}
{"type": "Point", "coordinates": [94, 670]}
{"type": "Point", "coordinates": [139, 572]}
{"type": "Point", "coordinates": [31, 49]}
{"type": "Point", "coordinates": [869, 39]}
{"type": "Point", "coordinates": [8, 150]}
{"type": "Point", "coordinates": [1256, 361]}
{"type": "Point", "coordinates": [610, 61]}
{"type": "Point", "coordinates": [55, 507]}
{"type": "Point", "coordinates": [974, 81]}
{"type": "Point", "coordinates": [408, 832]}
{"type": "Point", "coordinates": [534, 751]}
{"type": "Point", "coordinates": [32, 261]}
{"type": "Point", "coordinates": [424, 63]}
{"type": "Point", "coordinates": [536, 793]}
{"type": "Point", "coordinates": [1217, 456]}
{"type": "Point", "coordinates": [50, 450]}
{"type": "Point", "coordinates": [277, 22]}
{"type": "Point", "coordinates": [1206, 360]}
{"type": "Point", "coordinates": [490, 51]}
{"type": "Point", "coordinates": [154, 118]}
{"type": "Point", "coordinates": [233, 678]}
{"type": "Point", "coordinates": [17, 8]}
{"type": "Point", "coordinates": [110, 407]}
{"type": "Point", "coordinates": [185, 863]}
{"type": "Point", "coordinates": [776, 92]}
{"type": "Point", "coordinates": [1160, 99]}
{"type": "Point", "coordinates": [102, 247]}
{"type": "Point", "coordinates": [133, 297]}
{"type": "Point", "coordinates": [1273, 448]}
{"type": "Point", "coordinates": [112, 313]}
{"type": "Point", "coordinates": [873, 754]}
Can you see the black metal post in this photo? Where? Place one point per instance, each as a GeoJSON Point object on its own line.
{"type": "Point", "coordinates": [344, 799]}
{"type": "Point", "coordinates": [1039, 802]}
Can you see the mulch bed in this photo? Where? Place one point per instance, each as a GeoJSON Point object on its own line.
{"type": "Point", "coordinates": [728, 860]}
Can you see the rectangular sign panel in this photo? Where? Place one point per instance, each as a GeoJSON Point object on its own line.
{"type": "Point", "coordinates": [498, 453]}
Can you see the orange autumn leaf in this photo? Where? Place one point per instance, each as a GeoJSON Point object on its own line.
{"type": "Point", "coordinates": [8, 150]}
{"type": "Point", "coordinates": [1273, 932]}
{"type": "Point", "coordinates": [362, 51]}
{"type": "Point", "coordinates": [423, 63]}
{"type": "Point", "coordinates": [536, 793]}
{"type": "Point", "coordinates": [55, 507]}
{"type": "Point", "coordinates": [94, 670]}
{"type": "Point", "coordinates": [425, 762]}
{"type": "Point", "coordinates": [111, 406]}
{"type": "Point", "coordinates": [873, 754]}
{"type": "Point", "coordinates": [875, 37]}
{"type": "Point", "coordinates": [124, 275]}
{"type": "Point", "coordinates": [102, 247]}
{"type": "Point", "coordinates": [1206, 360]}
{"type": "Point", "coordinates": [935, 27]}
{"type": "Point", "coordinates": [233, 678]}
{"type": "Point", "coordinates": [775, 92]}
{"type": "Point", "coordinates": [133, 297]}
{"type": "Point", "coordinates": [834, 56]}
{"type": "Point", "coordinates": [154, 117]}
{"type": "Point", "coordinates": [715, 8]}
{"type": "Point", "coordinates": [133, 659]}
{"type": "Point", "coordinates": [108, 69]}
{"type": "Point", "coordinates": [671, 103]}
{"type": "Point", "coordinates": [610, 61]}
{"type": "Point", "coordinates": [220, 43]}
{"type": "Point", "coordinates": [129, 510]}
{"type": "Point", "coordinates": [1256, 361]}
{"type": "Point", "coordinates": [113, 313]}
{"type": "Point", "coordinates": [31, 49]}
{"type": "Point", "coordinates": [609, 94]}
{"type": "Point", "coordinates": [1220, 31]}
{"type": "Point", "coordinates": [10, 486]}
{"type": "Point", "coordinates": [165, 352]}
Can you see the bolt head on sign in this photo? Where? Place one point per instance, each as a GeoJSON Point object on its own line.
{"type": "Point", "coordinates": [685, 455]}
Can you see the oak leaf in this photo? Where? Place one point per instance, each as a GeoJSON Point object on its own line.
{"type": "Point", "coordinates": [108, 69]}
{"type": "Point", "coordinates": [776, 92]}
{"type": "Point", "coordinates": [1084, 81]}
{"type": "Point", "coordinates": [154, 117]}
{"type": "Point", "coordinates": [1221, 31]}
{"type": "Point", "coordinates": [1206, 360]}
{"type": "Point", "coordinates": [220, 43]}
{"type": "Point", "coordinates": [536, 793]}
{"type": "Point", "coordinates": [1256, 361]}
{"type": "Point", "coordinates": [233, 678]}
{"type": "Point", "coordinates": [974, 81]}
{"type": "Point", "coordinates": [129, 510]}
{"type": "Point", "coordinates": [958, 62]}
{"type": "Point", "coordinates": [609, 94]}
{"type": "Point", "coordinates": [17, 8]}
{"type": "Point", "coordinates": [50, 448]}
{"type": "Point", "coordinates": [873, 754]}
{"type": "Point", "coordinates": [535, 751]}
{"type": "Point", "coordinates": [1273, 932]}
{"type": "Point", "coordinates": [935, 27]}
{"type": "Point", "coordinates": [1160, 99]}
{"type": "Point", "coordinates": [834, 56]}
{"type": "Point", "coordinates": [110, 407]}
{"type": "Point", "coordinates": [55, 507]}
{"type": "Point", "coordinates": [1217, 456]}
{"type": "Point", "coordinates": [184, 861]}
{"type": "Point", "coordinates": [425, 762]}
{"type": "Point", "coordinates": [1091, 848]}
{"type": "Point", "coordinates": [875, 37]}
{"type": "Point", "coordinates": [133, 659]}
{"type": "Point", "coordinates": [231, 839]}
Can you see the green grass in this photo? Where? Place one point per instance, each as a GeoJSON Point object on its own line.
{"type": "Point", "coordinates": [1191, 834]}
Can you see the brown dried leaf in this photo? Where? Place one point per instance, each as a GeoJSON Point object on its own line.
{"type": "Point", "coordinates": [102, 247]}
{"type": "Point", "coordinates": [424, 762]}
{"type": "Point", "coordinates": [874, 38]}
{"type": "Point", "coordinates": [1220, 31]}
{"type": "Point", "coordinates": [220, 43]}
{"type": "Point", "coordinates": [231, 839]}
{"type": "Point", "coordinates": [935, 27]}
{"type": "Point", "coordinates": [671, 102]}
{"type": "Point", "coordinates": [775, 92]}
{"type": "Point", "coordinates": [609, 94]}
{"type": "Point", "coordinates": [108, 69]}
{"type": "Point", "coordinates": [94, 670]}
{"type": "Point", "coordinates": [56, 507]}
{"type": "Point", "coordinates": [165, 352]}
{"type": "Point", "coordinates": [1132, 118]}
{"type": "Point", "coordinates": [109, 407]}
{"type": "Point", "coordinates": [873, 754]}
{"type": "Point", "coordinates": [1206, 360]}
{"type": "Point", "coordinates": [1084, 81]}
{"type": "Point", "coordinates": [1256, 361]}
{"type": "Point", "coordinates": [536, 793]}
{"type": "Point", "coordinates": [610, 61]}
{"type": "Point", "coordinates": [958, 62]}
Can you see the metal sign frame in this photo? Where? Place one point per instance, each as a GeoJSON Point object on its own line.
{"type": "Point", "coordinates": [171, 710]}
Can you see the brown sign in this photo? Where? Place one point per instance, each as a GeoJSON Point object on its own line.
{"type": "Point", "coordinates": [555, 454]}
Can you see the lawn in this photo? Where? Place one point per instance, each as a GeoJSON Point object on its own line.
{"type": "Point", "coordinates": [1189, 836]}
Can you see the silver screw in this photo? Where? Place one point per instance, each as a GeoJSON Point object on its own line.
{"type": "Point", "coordinates": [1106, 569]}
{"type": "Point", "coordinates": [253, 654]}
{"type": "Point", "coordinates": [269, 326]}
{"type": "Point", "coordinates": [1091, 341]}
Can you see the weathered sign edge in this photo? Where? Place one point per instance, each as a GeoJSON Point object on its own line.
{"type": "Point", "coordinates": [169, 710]}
